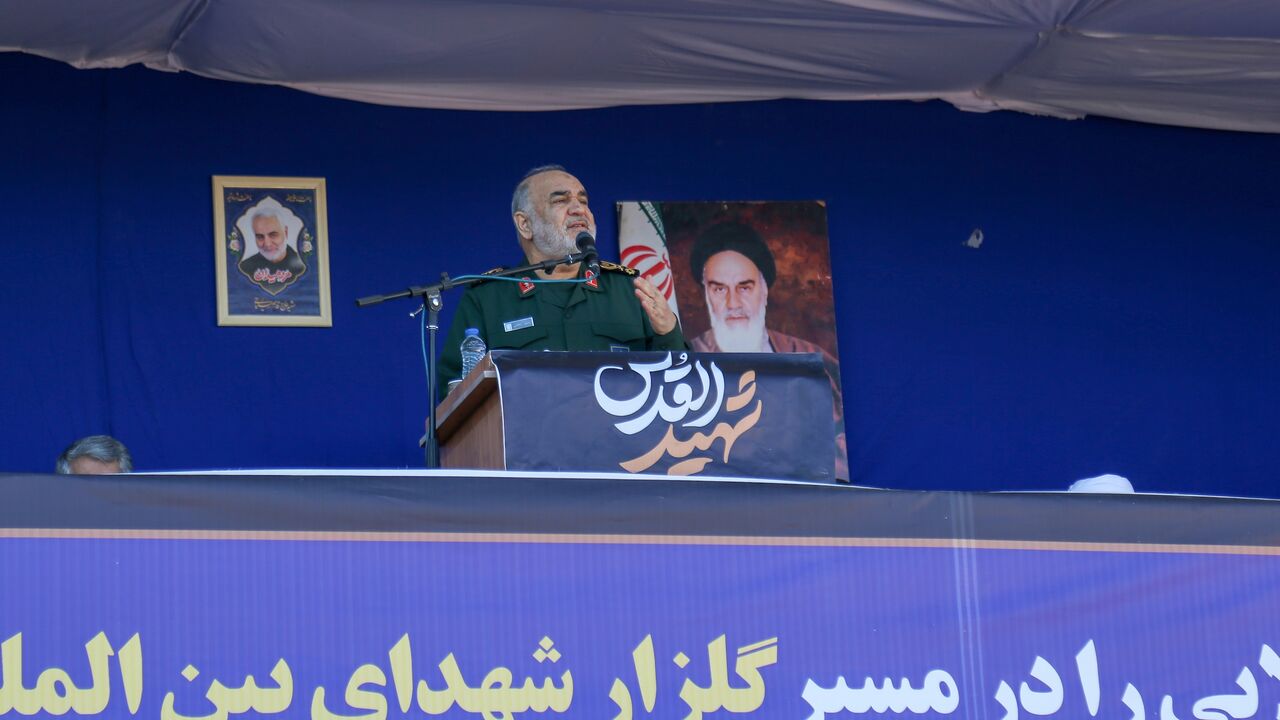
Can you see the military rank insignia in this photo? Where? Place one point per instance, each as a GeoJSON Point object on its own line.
{"type": "Point", "coordinates": [606, 265]}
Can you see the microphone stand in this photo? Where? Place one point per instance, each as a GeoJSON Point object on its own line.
{"type": "Point", "coordinates": [432, 302]}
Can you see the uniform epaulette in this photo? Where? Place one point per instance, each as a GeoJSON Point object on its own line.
{"type": "Point", "coordinates": [493, 271]}
{"type": "Point", "coordinates": [615, 267]}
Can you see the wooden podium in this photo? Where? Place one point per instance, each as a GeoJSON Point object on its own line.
{"type": "Point", "coordinates": [469, 422]}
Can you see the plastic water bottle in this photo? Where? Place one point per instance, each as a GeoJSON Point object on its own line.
{"type": "Point", "coordinates": [473, 350]}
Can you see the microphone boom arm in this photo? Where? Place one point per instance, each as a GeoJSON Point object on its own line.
{"type": "Point", "coordinates": [432, 302]}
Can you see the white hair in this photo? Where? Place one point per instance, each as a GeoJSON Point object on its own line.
{"type": "Point", "coordinates": [268, 213]}
{"type": "Point", "coordinates": [103, 448]}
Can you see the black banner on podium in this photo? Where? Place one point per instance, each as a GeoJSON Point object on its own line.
{"type": "Point", "coordinates": [758, 415]}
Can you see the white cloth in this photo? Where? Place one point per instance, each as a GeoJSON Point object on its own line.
{"type": "Point", "coordinates": [1200, 63]}
{"type": "Point", "coordinates": [1102, 484]}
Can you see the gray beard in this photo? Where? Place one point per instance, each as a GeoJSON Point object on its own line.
{"type": "Point", "coordinates": [752, 338]}
{"type": "Point", "coordinates": [552, 242]}
{"type": "Point", "coordinates": [284, 250]}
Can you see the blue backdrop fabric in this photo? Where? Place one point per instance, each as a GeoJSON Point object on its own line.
{"type": "Point", "coordinates": [1119, 317]}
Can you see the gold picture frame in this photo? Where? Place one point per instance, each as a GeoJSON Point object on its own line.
{"type": "Point", "coordinates": [271, 246]}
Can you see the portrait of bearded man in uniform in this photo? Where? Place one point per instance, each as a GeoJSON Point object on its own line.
{"type": "Point", "coordinates": [271, 260]}
{"type": "Point", "coordinates": [271, 239]}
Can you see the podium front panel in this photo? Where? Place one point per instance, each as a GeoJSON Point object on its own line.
{"type": "Point", "coordinates": [757, 415]}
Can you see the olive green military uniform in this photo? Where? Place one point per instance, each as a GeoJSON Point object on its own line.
{"type": "Point", "coordinates": [605, 315]}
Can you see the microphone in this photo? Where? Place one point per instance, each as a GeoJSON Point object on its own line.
{"type": "Point", "coordinates": [587, 246]}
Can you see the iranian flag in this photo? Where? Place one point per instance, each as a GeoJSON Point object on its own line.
{"type": "Point", "coordinates": [642, 245]}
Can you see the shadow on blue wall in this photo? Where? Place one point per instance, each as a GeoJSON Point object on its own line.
{"type": "Point", "coordinates": [1120, 316]}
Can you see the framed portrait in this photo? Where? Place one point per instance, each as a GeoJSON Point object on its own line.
{"type": "Point", "coordinates": [271, 244]}
{"type": "Point", "coordinates": [743, 276]}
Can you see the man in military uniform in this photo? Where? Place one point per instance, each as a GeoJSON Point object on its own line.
{"type": "Point", "coordinates": [616, 310]}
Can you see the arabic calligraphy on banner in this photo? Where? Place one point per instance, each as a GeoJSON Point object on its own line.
{"type": "Point", "coordinates": [373, 689]}
{"type": "Point", "coordinates": [650, 627]}
{"type": "Point", "coordinates": [672, 392]}
{"type": "Point", "coordinates": [497, 696]}
{"type": "Point", "coordinates": [747, 415]}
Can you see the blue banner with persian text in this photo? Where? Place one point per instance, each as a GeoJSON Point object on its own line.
{"type": "Point", "coordinates": [757, 415]}
{"type": "Point", "coordinates": [205, 624]}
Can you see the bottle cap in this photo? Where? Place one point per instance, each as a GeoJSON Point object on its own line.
{"type": "Point", "coordinates": [473, 331]}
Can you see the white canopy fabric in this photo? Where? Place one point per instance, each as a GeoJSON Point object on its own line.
{"type": "Point", "coordinates": [1198, 63]}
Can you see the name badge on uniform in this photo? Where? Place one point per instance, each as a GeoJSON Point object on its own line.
{"type": "Point", "coordinates": [522, 323]}
{"type": "Point", "coordinates": [619, 348]}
